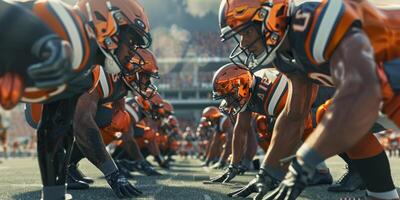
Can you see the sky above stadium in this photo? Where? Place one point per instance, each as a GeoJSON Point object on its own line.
{"type": "Point", "coordinates": [192, 15]}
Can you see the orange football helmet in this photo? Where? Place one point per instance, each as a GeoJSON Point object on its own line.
{"type": "Point", "coordinates": [137, 74]}
{"type": "Point", "coordinates": [157, 106]}
{"type": "Point", "coordinates": [143, 103]}
{"type": "Point", "coordinates": [152, 106]}
{"type": "Point", "coordinates": [275, 26]}
{"type": "Point", "coordinates": [211, 113]}
{"type": "Point", "coordinates": [237, 16]}
{"type": "Point", "coordinates": [233, 83]}
{"type": "Point", "coordinates": [120, 27]}
{"type": "Point", "coordinates": [204, 123]}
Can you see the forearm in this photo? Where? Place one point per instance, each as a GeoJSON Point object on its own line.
{"type": "Point", "coordinates": [355, 106]}
{"type": "Point", "coordinates": [285, 140]}
{"type": "Point", "coordinates": [238, 141]}
{"type": "Point", "coordinates": [251, 145]}
{"type": "Point", "coordinates": [227, 147]}
{"type": "Point", "coordinates": [90, 142]}
{"type": "Point", "coordinates": [130, 146]}
{"type": "Point", "coordinates": [214, 148]}
{"type": "Point", "coordinates": [153, 148]}
{"type": "Point", "coordinates": [336, 134]}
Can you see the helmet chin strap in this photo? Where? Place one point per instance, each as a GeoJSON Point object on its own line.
{"type": "Point", "coordinates": [258, 62]}
{"type": "Point", "coordinates": [255, 61]}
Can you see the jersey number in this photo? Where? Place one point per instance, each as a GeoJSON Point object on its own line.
{"type": "Point", "coordinates": [301, 21]}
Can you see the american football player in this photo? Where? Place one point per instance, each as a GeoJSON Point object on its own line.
{"type": "Point", "coordinates": [91, 41]}
{"type": "Point", "coordinates": [245, 93]}
{"type": "Point", "coordinates": [111, 89]}
{"type": "Point", "coordinates": [34, 53]}
{"type": "Point", "coordinates": [106, 89]}
{"type": "Point", "coordinates": [331, 43]}
{"type": "Point", "coordinates": [143, 111]}
{"type": "Point", "coordinates": [91, 47]}
{"type": "Point", "coordinates": [220, 144]}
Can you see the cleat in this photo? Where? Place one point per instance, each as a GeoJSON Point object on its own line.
{"type": "Point", "coordinates": [321, 178]}
{"type": "Point", "coordinates": [349, 182]}
{"type": "Point", "coordinates": [73, 184]}
{"type": "Point", "coordinates": [76, 174]}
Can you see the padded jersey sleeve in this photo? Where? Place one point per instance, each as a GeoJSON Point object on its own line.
{"type": "Point", "coordinates": [318, 27]}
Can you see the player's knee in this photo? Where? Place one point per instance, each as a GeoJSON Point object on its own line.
{"type": "Point", "coordinates": [367, 147]}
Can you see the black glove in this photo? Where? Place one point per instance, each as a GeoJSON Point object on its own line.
{"type": "Point", "coordinates": [161, 162]}
{"type": "Point", "coordinates": [262, 184]}
{"type": "Point", "coordinates": [164, 165]}
{"type": "Point", "coordinates": [294, 183]}
{"type": "Point", "coordinates": [206, 163]}
{"type": "Point", "coordinates": [228, 175]}
{"type": "Point", "coordinates": [124, 168]}
{"type": "Point", "coordinates": [146, 169]}
{"type": "Point", "coordinates": [219, 165]}
{"type": "Point", "coordinates": [121, 186]}
{"type": "Point", "coordinates": [56, 62]}
{"type": "Point", "coordinates": [140, 166]}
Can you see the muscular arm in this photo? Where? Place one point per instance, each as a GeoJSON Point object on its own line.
{"type": "Point", "coordinates": [228, 143]}
{"type": "Point", "coordinates": [289, 125]}
{"type": "Point", "coordinates": [215, 147]}
{"type": "Point", "coordinates": [130, 145]}
{"type": "Point", "coordinates": [251, 144]}
{"type": "Point", "coordinates": [153, 148]}
{"type": "Point", "coordinates": [355, 105]}
{"type": "Point", "coordinates": [240, 132]}
{"type": "Point", "coordinates": [86, 131]}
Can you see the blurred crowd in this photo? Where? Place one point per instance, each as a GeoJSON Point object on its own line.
{"type": "Point", "coordinates": [390, 140]}
{"type": "Point", "coordinates": [17, 139]}
{"type": "Point", "coordinates": [179, 80]}
{"type": "Point", "coordinates": [209, 44]}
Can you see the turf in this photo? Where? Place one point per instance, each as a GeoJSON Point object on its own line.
{"type": "Point", "coordinates": [21, 180]}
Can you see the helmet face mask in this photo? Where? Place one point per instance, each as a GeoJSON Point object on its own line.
{"type": "Point", "coordinates": [246, 55]}
{"type": "Point", "coordinates": [232, 104]}
{"type": "Point", "coordinates": [121, 28]}
{"type": "Point", "coordinates": [139, 71]}
{"type": "Point", "coordinates": [140, 83]}
{"type": "Point", "coordinates": [240, 18]}
{"type": "Point", "coordinates": [152, 106]}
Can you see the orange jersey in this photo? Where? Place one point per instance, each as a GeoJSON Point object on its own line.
{"type": "Point", "coordinates": [111, 123]}
{"type": "Point", "coordinates": [268, 98]}
{"type": "Point", "coordinates": [134, 110]}
{"type": "Point", "coordinates": [161, 140]}
{"type": "Point", "coordinates": [148, 136]}
{"type": "Point", "coordinates": [318, 27]}
{"type": "Point", "coordinates": [69, 25]}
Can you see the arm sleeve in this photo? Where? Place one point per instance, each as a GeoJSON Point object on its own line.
{"type": "Point", "coordinates": [20, 29]}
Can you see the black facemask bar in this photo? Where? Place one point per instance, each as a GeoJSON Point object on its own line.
{"type": "Point", "coordinates": [130, 33]}
{"type": "Point", "coordinates": [146, 90]}
{"type": "Point", "coordinates": [242, 55]}
{"type": "Point", "coordinates": [136, 29]}
{"type": "Point", "coordinates": [230, 104]}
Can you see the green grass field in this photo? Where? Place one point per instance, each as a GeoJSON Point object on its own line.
{"type": "Point", "coordinates": [21, 180]}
